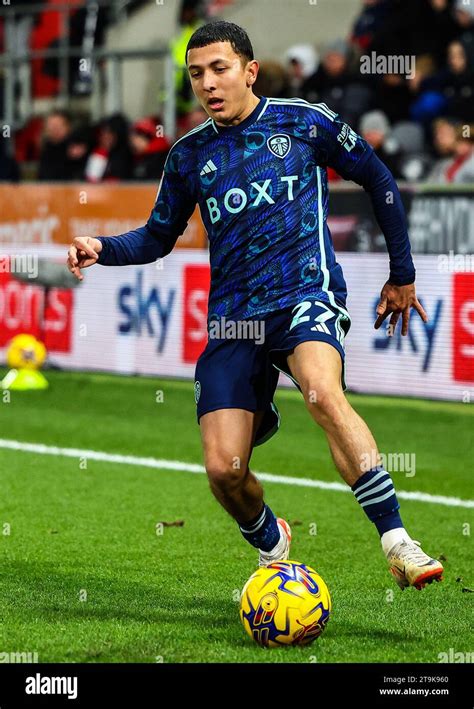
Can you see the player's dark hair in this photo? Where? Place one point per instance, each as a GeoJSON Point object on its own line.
{"type": "Point", "coordinates": [222, 31]}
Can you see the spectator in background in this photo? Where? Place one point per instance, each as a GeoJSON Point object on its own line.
{"type": "Point", "coordinates": [78, 151]}
{"type": "Point", "coordinates": [426, 104]}
{"type": "Point", "coordinates": [393, 96]}
{"type": "Point", "coordinates": [150, 148]}
{"type": "Point", "coordinates": [9, 171]}
{"type": "Point", "coordinates": [444, 136]}
{"type": "Point", "coordinates": [190, 120]}
{"type": "Point", "coordinates": [368, 23]}
{"type": "Point", "coordinates": [453, 86]}
{"type": "Point", "coordinates": [415, 161]}
{"type": "Point", "coordinates": [112, 158]}
{"type": "Point", "coordinates": [439, 27]}
{"type": "Point", "coordinates": [344, 91]}
{"type": "Point", "coordinates": [459, 169]}
{"type": "Point", "coordinates": [190, 18]}
{"type": "Point", "coordinates": [272, 80]}
{"type": "Point", "coordinates": [374, 127]}
{"type": "Point", "coordinates": [302, 60]}
{"type": "Point", "coordinates": [54, 162]}
{"type": "Point", "coordinates": [416, 28]}
{"type": "Point", "coordinates": [458, 81]}
{"type": "Point", "coordinates": [464, 14]}
{"type": "Point", "coordinates": [400, 147]}
{"type": "Point", "coordinates": [423, 29]}
{"type": "Point", "coordinates": [331, 76]}
{"type": "Point", "coordinates": [425, 68]}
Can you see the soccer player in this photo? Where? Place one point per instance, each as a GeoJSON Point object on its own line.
{"type": "Point", "coordinates": [257, 169]}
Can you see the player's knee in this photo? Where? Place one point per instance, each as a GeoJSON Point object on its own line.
{"type": "Point", "coordinates": [225, 473]}
{"type": "Point", "coordinates": [325, 401]}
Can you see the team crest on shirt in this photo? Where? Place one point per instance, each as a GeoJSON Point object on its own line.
{"type": "Point", "coordinates": [279, 145]}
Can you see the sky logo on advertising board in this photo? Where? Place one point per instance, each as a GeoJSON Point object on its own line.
{"type": "Point", "coordinates": [145, 312]}
{"type": "Point", "coordinates": [422, 346]}
{"type": "Point", "coordinates": [463, 327]}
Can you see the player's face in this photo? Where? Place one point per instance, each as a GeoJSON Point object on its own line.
{"type": "Point", "coordinates": [222, 82]}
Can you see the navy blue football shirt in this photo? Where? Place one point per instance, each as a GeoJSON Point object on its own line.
{"type": "Point", "coordinates": [262, 190]}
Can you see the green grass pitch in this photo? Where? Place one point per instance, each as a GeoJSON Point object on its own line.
{"type": "Point", "coordinates": [86, 578]}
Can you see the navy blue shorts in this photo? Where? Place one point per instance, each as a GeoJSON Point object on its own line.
{"type": "Point", "coordinates": [242, 361]}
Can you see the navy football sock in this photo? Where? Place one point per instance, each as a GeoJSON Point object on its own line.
{"type": "Point", "coordinates": [375, 493]}
{"type": "Point", "coordinates": [262, 531]}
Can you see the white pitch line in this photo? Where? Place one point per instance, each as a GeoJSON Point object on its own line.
{"type": "Point", "coordinates": [162, 464]}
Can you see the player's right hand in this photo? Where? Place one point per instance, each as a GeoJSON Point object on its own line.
{"type": "Point", "coordinates": [83, 252]}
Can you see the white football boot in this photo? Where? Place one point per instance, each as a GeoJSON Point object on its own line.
{"type": "Point", "coordinates": [410, 566]}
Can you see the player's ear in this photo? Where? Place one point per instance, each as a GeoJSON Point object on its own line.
{"type": "Point", "coordinates": [252, 72]}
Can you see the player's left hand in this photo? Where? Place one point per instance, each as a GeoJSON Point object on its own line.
{"type": "Point", "coordinates": [397, 300]}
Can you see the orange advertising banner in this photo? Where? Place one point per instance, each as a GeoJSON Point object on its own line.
{"type": "Point", "coordinates": [55, 214]}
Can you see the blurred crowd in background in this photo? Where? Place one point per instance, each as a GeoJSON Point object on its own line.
{"type": "Point", "coordinates": [421, 125]}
